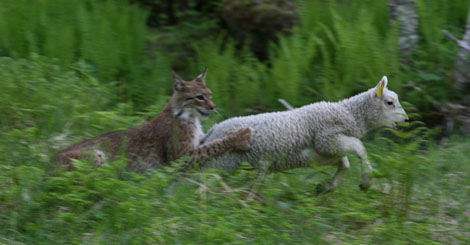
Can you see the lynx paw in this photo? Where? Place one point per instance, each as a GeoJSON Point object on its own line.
{"type": "Point", "coordinates": [100, 158]}
{"type": "Point", "coordinates": [240, 138]}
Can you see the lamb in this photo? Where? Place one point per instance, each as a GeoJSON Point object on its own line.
{"type": "Point", "coordinates": [324, 131]}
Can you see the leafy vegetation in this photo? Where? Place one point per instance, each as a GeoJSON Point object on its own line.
{"type": "Point", "coordinates": [71, 70]}
{"type": "Point", "coordinates": [39, 92]}
{"type": "Point", "coordinates": [110, 36]}
{"type": "Point", "coordinates": [416, 197]}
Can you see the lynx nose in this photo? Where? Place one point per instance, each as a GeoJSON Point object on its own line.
{"type": "Point", "coordinates": [211, 106]}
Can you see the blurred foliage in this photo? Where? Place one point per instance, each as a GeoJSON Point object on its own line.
{"type": "Point", "coordinates": [417, 197]}
{"type": "Point", "coordinates": [76, 69]}
{"type": "Point", "coordinates": [337, 48]}
{"type": "Point", "coordinates": [109, 35]}
{"type": "Point", "coordinates": [162, 12]}
{"type": "Point", "coordinates": [39, 92]}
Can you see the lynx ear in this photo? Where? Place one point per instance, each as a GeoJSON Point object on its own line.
{"type": "Point", "coordinates": [379, 89]}
{"type": "Point", "coordinates": [202, 76]}
{"type": "Point", "coordinates": [178, 84]}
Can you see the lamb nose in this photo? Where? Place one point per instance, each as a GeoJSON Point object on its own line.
{"type": "Point", "coordinates": [407, 120]}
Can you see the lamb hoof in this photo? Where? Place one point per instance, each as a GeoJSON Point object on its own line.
{"type": "Point", "coordinates": [320, 189]}
{"type": "Point", "coordinates": [323, 188]}
{"type": "Point", "coordinates": [364, 186]}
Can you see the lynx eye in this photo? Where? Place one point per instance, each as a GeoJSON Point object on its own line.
{"type": "Point", "coordinates": [200, 97]}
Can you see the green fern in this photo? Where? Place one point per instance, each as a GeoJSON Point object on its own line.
{"type": "Point", "coordinates": [110, 35]}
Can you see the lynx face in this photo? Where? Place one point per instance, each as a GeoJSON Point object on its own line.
{"type": "Point", "coordinates": [192, 99]}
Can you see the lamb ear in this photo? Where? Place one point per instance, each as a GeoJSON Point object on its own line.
{"type": "Point", "coordinates": [178, 84]}
{"type": "Point", "coordinates": [379, 89]}
{"type": "Point", "coordinates": [202, 76]}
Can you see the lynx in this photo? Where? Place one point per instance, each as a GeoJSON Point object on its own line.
{"type": "Point", "coordinates": [174, 133]}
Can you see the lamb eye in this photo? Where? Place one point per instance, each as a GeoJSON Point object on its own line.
{"type": "Point", "coordinates": [389, 102]}
{"type": "Point", "coordinates": [200, 97]}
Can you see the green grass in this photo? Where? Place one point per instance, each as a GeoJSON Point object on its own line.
{"type": "Point", "coordinates": [111, 205]}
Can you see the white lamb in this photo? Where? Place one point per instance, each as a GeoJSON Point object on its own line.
{"type": "Point", "coordinates": [323, 130]}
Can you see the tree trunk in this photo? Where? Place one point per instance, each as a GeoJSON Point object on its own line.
{"type": "Point", "coordinates": [462, 65]}
{"type": "Point", "coordinates": [404, 11]}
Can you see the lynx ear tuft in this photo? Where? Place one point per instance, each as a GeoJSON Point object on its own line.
{"type": "Point", "coordinates": [202, 76]}
{"type": "Point", "coordinates": [379, 89]}
{"type": "Point", "coordinates": [178, 84]}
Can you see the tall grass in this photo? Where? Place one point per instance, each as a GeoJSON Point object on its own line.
{"type": "Point", "coordinates": [337, 49]}
{"type": "Point", "coordinates": [40, 93]}
{"type": "Point", "coordinates": [329, 56]}
{"type": "Point", "coordinates": [437, 15]}
{"type": "Point", "coordinates": [354, 51]}
{"type": "Point", "coordinates": [230, 75]}
{"type": "Point", "coordinates": [434, 59]}
{"type": "Point", "coordinates": [109, 35]}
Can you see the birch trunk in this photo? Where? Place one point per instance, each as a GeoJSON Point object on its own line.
{"type": "Point", "coordinates": [404, 12]}
{"type": "Point", "coordinates": [462, 65]}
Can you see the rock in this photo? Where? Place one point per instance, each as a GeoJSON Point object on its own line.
{"type": "Point", "coordinates": [259, 21]}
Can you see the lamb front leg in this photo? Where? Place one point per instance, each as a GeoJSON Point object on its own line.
{"type": "Point", "coordinates": [354, 145]}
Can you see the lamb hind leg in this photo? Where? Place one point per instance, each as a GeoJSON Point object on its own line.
{"type": "Point", "coordinates": [341, 163]}
{"type": "Point", "coordinates": [332, 184]}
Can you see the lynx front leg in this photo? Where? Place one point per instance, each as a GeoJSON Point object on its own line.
{"type": "Point", "coordinates": [97, 156]}
{"type": "Point", "coordinates": [234, 140]}
{"type": "Point", "coordinates": [100, 158]}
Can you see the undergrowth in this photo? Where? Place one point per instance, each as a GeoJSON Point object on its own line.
{"type": "Point", "coordinates": [418, 195]}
